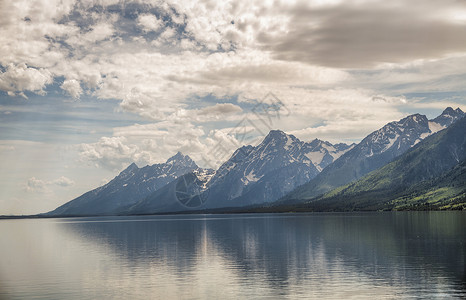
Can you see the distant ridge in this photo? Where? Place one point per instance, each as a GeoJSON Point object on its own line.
{"type": "Point", "coordinates": [130, 186]}
{"type": "Point", "coordinates": [374, 151]}
{"type": "Point", "coordinates": [252, 175]}
{"type": "Point", "coordinates": [430, 175]}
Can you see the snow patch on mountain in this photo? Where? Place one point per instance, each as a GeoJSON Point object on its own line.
{"type": "Point", "coordinates": [391, 141]}
{"type": "Point", "coordinates": [315, 158]}
{"type": "Point", "coordinates": [396, 136]}
{"type": "Point", "coordinates": [435, 127]}
{"type": "Point", "coordinates": [261, 167]}
{"type": "Point", "coordinates": [204, 176]}
{"type": "Point", "coordinates": [251, 177]}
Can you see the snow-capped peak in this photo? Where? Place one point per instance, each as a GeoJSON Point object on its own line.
{"type": "Point", "coordinates": [250, 164]}
{"type": "Point", "coordinates": [396, 136]}
{"type": "Point", "coordinates": [400, 135]}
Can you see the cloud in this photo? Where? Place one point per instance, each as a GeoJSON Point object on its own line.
{"type": "Point", "coordinates": [165, 53]}
{"type": "Point", "coordinates": [231, 45]}
{"type": "Point", "coordinates": [220, 109]}
{"type": "Point", "coordinates": [225, 70]}
{"type": "Point", "coordinates": [332, 114]}
{"type": "Point", "coordinates": [20, 78]}
{"type": "Point", "coordinates": [97, 33]}
{"type": "Point", "coordinates": [154, 59]}
{"type": "Point", "coordinates": [63, 182]}
{"type": "Point", "coordinates": [190, 72]}
{"type": "Point", "coordinates": [417, 76]}
{"type": "Point", "coordinates": [7, 148]}
{"type": "Point", "coordinates": [72, 87]}
{"type": "Point", "coordinates": [144, 144]}
{"type": "Point", "coordinates": [156, 142]}
{"type": "Point", "coordinates": [111, 152]}
{"type": "Point", "coordinates": [37, 185]}
{"type": "Point", "coordinates": [34, 184]}
{"type": "Point", "coordinates": [149, 22]}
{"type": "Point", "coordinates": [336, 114]}
{"type": "Point", "coordinates": [359, 34]}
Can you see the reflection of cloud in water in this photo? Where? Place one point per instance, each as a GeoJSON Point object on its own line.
{"type": "Point", "coordinates": [325, 255]}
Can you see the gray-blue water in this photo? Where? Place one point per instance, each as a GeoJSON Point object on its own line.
{"type": "Point", "coordinates": [400, 255]}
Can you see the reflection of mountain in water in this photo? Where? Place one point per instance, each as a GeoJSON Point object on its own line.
{"type": "Point", "coordinates": [399, 249]}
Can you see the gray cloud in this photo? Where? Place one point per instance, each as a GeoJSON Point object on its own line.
{"type": "Point", "coordinates": [367, 34]}
{"type": "Point", "coordinates": [220, 108]}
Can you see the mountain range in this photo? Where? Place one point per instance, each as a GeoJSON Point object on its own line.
{"type": "Point", "coordinates": [376, 150]}
{"type": "Point", "coordinates": [430, 175]}
{"type": "Point", "coordinates": [129, 187]}
{"type": "Point", "coordinates": [252, 175]}
{"type": "Point", "coordinates": [282, 170]}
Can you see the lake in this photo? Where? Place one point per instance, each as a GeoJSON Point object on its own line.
{"type": "Point", "coordinates": [402, 255]}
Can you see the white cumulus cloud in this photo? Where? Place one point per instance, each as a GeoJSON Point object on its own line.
{"type": "Point", "coordinates": [149, 22]}
{"type": "Point", "coordinates": [20, 78]}
{"type": "Point", "coordinates": [72, 87]}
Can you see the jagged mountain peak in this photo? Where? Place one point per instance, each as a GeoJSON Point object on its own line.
{"type": "Point", "coordinates": [276, 132]}
{"type": "Point", "coordinates": [131, 168]}
{"type": "Point", "coordinates": [277, 139]}
{"type": "Point", "coordinates": [275, 135]}
{"type": "Point", "coordinates": [180, 159]}
{"type": "Point", "coordinates": [449, 116]}
{"type": "Point", "coordinates": [316, 143]}
{"type": "Point", "coordinates": [374, 151]}
{"type": "Point", "coordinates": [263, 167]}
{"type": "Point", "coordinates": [176, 157]}
{"type": "Point", "coordinates": [452, 112]}
{"type": "Point", "coordinates": [130, 186]}
{"type": "Point", "coordinates": [413, 120]}
{"type": "Point", "coordinates": [395, 137]}
{"type": "Point", "coordinates": [448, 111]}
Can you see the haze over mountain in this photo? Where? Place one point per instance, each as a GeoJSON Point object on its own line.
{"type": "Point", "coordinates": [377, 149]}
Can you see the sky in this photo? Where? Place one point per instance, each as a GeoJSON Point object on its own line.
{"type": "Point", "coordinates": [88, 87]}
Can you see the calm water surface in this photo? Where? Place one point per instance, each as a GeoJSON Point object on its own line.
{"type": "Point", "coordinates": [401, 255]}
